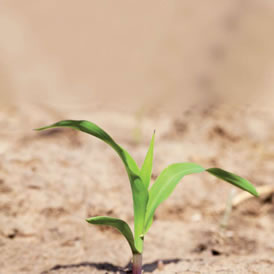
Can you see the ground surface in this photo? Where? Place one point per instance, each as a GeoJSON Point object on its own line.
{"type": "Point", "coordinates": [51, 181]}
{"type": "Point", "coordinates": [129, 57]}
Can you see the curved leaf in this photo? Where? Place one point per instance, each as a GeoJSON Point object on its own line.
{"type": "Point", "coordinates": [164, 186]}
{"type": "Point", "coordinates": [139, 191]}
{"type": "Point", "coordinates": [233, 179]}
{"type": "Point", "coordinates": [120, 225]}
{"type": "Point", "coordinates": [146, 169]}
{"type": "Point", "coordinates": [96, 131]}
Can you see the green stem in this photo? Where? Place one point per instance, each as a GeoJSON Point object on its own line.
{"type": "Point", "coordinates": [137, 264]}
{"type": "Point", "coordinates": [228, 209]}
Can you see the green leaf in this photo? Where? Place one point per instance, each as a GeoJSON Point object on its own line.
{"type": "Point", "coordinates": [164, 186]}
{"type": "Point", "coordinates": [120, 225]}
{"type": "Point", "coordinates": [96, 131]}
{"type": "Point", "coordinates": [139, 191]}
{"type": "Point", "coordinates": [146, 169]}
{"type": "Point", "coordinates": [233, 179]}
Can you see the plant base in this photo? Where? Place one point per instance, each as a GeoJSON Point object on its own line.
{"type": "Point", "coordinates": [137, 264]}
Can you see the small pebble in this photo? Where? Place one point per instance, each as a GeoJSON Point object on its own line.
{"type": "Point", "coordinates": [160, 265]}
{"type": "Point", "coordinates": [196, 217]}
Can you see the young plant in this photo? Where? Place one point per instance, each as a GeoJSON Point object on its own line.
{"type": "Point", "coordinates": [146, 199]}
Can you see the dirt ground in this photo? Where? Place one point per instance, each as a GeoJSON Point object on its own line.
{"type": "Point", "coordinates": [132, 67]}
{"type": "Point", "coordinates": [51, 181]}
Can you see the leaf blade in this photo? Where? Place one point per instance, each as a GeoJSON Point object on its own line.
{"type": "Point", "coordinates": [139, 192]}
{"type": "Point", "coordinates": [164, 186]}
{"type": "Point", "coordinates": [146, 169]}
{"type": "Point", "coordinates": [118, 224]}
{"type": "Point", "coordinates": [233, 179]}
{"type": "Point", "coordinates": [94, 130]}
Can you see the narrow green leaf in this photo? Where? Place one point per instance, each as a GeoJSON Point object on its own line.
{"type": "Point", "coordinates": [164, 186]}
{"type": "Point", "coordinates": [146, 169]}
{"type": "Point", "coordinates": [233, 179]}
{"type": "Point", "coordinates": [120, 225]}
{"type": "Point", "coordinates": [139, 191]}
{"type": "Point", "coordinates": [96, 131]}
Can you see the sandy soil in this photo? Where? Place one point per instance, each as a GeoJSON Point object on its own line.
{"type": "Point", "coordinates": [142, 67]}
{"type": "Point", "coordinates": [51, 181]}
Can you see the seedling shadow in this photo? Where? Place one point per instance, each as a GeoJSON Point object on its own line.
{"type": "Point", "coordinates": [150, 267]}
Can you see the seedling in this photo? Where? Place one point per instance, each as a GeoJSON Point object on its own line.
{"type": "Point", "coordinates": [145, 198]}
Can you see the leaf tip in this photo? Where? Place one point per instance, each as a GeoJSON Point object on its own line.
{"type": "Point", "coordinates": [41, 128]}
{"type": "Point", "coordinates": [234, 180]}
{"type": "Point", "coordinates": [256, 194]}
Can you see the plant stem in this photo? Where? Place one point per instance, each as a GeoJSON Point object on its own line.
{"type": "Point", "coordinates": [228, 209]}
{"type": "Point", "coordinates": [137, 264]}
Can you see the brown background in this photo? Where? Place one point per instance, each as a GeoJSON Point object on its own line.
{"type": "Point", "coordinates": [199, 72]}
{"type": "Point", "coordinates": [126, 54]}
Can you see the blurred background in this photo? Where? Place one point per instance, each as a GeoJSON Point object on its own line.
{"type": "Point", "coordinates": [131, 55]}
{"type": "Point", "coordinates": [199, 72]}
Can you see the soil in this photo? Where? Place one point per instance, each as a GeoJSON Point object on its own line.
{"type": "Point", "coordinates": [51, 181]}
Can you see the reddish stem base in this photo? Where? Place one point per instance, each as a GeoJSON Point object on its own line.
{"type": "Point", "coordinates": [137, 264]}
